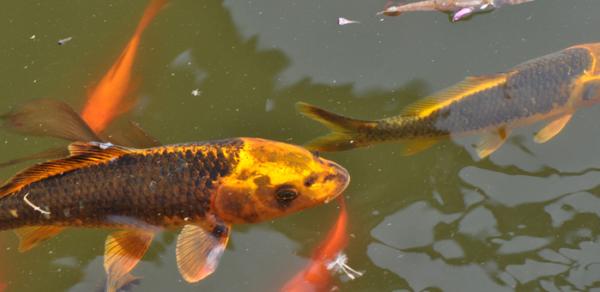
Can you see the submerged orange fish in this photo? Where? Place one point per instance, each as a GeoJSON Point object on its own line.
{"type": "Point", "coordinates": [108, 99]}
{"type": "Point", "coordinates": [551, 88]}
{"type": "Point", "coordinates": [316, 276]}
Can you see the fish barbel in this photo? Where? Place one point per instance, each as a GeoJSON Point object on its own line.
{"type": "Point", "coordinates": [203, 187]}
{"type": "Point", "coordinates": [550, 88]}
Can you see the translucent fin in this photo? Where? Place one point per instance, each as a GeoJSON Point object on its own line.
{"type": "Point", "coordinates": [344, 133]}
{"type": "Point", "coordinates": [97, 151]}
{"type": "Point", "coordinates": [465, 88]}
{"type": "Point", "coordinates": [149, 14]}
{"type": "Point", "coordinates": [131, 134]}
{"type": "Point", "coordinates": [552, 129]}
{"type": "Point", "coordinates": [198, 251]}
{"type": "Point", "coordinates": [415, 146]}
{"type": "Point", "coordinates": [82, 154]}
{"type": "Point", "coordinates": [53, 153]}
{"type": "Point", "coordinates": [490, 142]}
{"type": "Point", "coordinates": [122, 252]}
{"type": "Point", "coordinates": [29, 237]}
{"type": "Point", "coordinates": [124, 284]}
{"type": "Point", "coordinates": [47, 117]}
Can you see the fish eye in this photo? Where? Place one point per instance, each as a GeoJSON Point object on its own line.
{"type": "Point", "coordinates": [317, 154]}
{"type": "Point", "coordinates": [286, 194]}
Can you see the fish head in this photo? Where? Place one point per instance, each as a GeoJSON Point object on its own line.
{"type": "Point", "coordinates": [272, 179]}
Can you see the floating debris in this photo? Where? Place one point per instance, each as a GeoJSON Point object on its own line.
{"type": "Point", "coordinates": [34, 206]}
{"type": "Point", "coordinates": [64, 41]}
{"type": "Point", "coordinates": [196, 92]}
{"type": "Point", "coordinates": [340, 265]}
{"type": "Point", "coordinates": [345, 21]}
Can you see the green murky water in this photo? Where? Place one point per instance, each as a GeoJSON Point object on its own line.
{"type": "Point", "coordinates": [527, 219]}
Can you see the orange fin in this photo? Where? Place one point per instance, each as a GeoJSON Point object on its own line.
{"type": "Point", "coordinates": [415, 146]}
{"type": "Point", "coordinates": [82, 154]}
{"type": "Point", "coordinates": [47, 117]}
{"type": "Point", "coordinates": [29, 237]}
{"type": "Point", "coordinates": [469, 86]}
{"type": "Point", "coordinates": [122, 252]}
{"type": "Point", "coordinates": [344, 131]}
{"type": "Point", "coordinates": [198, 251]}
{"type": "Point", "coordinates": [552, 129]}
{"type": "Point", "coordinates": [491, 141]}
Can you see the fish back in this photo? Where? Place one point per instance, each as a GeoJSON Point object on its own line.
{"type": "Point", "coordinates": [160, 186]}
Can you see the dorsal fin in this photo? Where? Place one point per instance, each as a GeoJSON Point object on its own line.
{"type": "Point", "coordinates": [469, 86]}
{"type": "Point", "coordinates": [83, 154]}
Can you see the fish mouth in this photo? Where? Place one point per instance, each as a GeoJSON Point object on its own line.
{"type": "Point", "coordinates": [341, 176]}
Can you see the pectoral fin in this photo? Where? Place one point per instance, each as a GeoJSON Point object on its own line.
{"type": "Point", "coordinates": [122, 252]}
{"type": "Point", "coordinates": [30, 236]}
{"type": "Point", "coordinates": [491, 141]}
{"type": "Point", "coordinates": [199, 251]}
{"type": "Point", "coordinates": [418, 145]}
{"type": "Point", "coordinates": [552, 129]}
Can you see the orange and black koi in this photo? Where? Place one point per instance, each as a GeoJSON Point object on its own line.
{"type": "Point", "coordinates": [203, 187]}
{"type": "Point", "coordinates": [551, 88]}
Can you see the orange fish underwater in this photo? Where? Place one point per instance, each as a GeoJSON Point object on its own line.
{"type": "Point", "coordinates": [550, 88]}
{"type": "Point", "coordinates": [327, 259]}
{"type": "Point", "coordinates": [108, 99]}
{"type": "Point", "coordinates": [203, 187]}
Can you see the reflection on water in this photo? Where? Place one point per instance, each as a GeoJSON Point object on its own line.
{"type": "Point", "coordinates": [526, 218]}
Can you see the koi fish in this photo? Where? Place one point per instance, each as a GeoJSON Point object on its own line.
{"type": "Point", "coordinates": [204, 187]}
{"type": "Point", "coordinates": [316, 276]}
{"type": "Point", "coordinates": [458, 8]}
{"type": "Point", "coordinates": [550, 88]}
{"type": "Point", "coordinates": [108, 98]}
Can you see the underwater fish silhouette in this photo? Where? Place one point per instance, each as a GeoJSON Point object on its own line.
{"type": "Point", "coordinates": [317, 275]}
{"type": "Point", "coordinates": [459, 8]}
{"type": "Point", "coordinates": [551, 88]}
{"type": "Point", "coordinates": [203, 187]}
{"type": "Point", "coordinates": [109, 98]}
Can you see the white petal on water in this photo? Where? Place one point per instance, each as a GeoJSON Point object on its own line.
{"type": "Point", "coordinates": [340, 265]}
{"type": "Point", "coordinates": [345, 21]}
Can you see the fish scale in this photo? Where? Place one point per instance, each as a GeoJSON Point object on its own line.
{"type": "Point", "coordinates": [550, 87]}
{"type": "Point", "coordinates": [120, 187]}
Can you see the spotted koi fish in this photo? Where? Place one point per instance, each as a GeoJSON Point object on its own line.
{"type": "Point", "coordinates": [203, 187]}
{"type": "Point", "coordinates": [550, 88]}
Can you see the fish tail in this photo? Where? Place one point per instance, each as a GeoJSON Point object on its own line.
{"type": "Point", "coordinates": [149, 14]}
{"type": "Point", "coordinates": [346, 133]}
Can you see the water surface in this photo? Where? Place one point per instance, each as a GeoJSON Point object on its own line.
{"type": "Point", "coordinates": [527, 218]}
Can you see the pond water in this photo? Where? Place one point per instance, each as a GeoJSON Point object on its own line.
{"type": "Point", "coordinates": [527, 218]}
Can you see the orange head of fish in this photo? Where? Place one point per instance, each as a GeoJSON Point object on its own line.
{"type": "Point", "coordinates": [272, 179]}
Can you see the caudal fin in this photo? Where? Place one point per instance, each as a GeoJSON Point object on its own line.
{"type": "Point", "coordinates": [345, 132]}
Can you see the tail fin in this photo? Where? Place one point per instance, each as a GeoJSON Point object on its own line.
{"type": "Point", "coordinates": [345, 132]}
